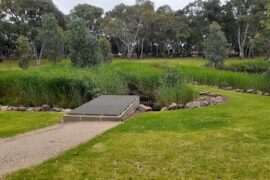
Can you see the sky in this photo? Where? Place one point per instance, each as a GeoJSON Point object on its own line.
{"type": "Point", "coordinates": [66, 5]}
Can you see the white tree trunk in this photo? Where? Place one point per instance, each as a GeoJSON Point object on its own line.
{"type": "Point", "coordinates": [242, 38]}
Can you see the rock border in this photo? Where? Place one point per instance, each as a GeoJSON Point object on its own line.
{"type": "Point", "coordinates": [43, 108]}
{"type": "Point", "coordinates": [206, 99]}
{"type": "Point", "coordinates": [248, 91]}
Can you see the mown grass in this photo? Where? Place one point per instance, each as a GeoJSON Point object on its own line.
{"type": "Point", "coordinates": [228, 141]}
{"type": "Point", "coordinates": [13, 123]}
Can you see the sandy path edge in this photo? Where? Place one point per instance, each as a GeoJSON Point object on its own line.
{"type": "Point", "coordinates": [34, 147]}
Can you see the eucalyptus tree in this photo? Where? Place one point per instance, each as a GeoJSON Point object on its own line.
{"type": "Point", "coordinates": [263, 37]}
{"type": "Point", "coordinates": [84, 47]}
{"type": "Point", "coordinates": [125, 22]}
{"type": "Point", "coordinates": [215, 46]}
{"type": "Point", "coordinates": [24, 51]}
{"type": "Point", "coordinates": [242, 10]}
{"type": "Point", "coordinates": [28, 15]}
{"type": "Point", "coordinates": [92, 15]}
{"type": "Point", "coordinates": [53, 36]}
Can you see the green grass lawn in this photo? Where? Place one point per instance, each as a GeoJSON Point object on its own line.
{"type": "Point", "coordinates": [228, 141]}
{"type": "Point", "coordinates": [13, 123]}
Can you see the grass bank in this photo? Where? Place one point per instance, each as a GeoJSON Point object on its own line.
{"type": "Point", "coordinates": [13, 123]}
{"type": "Point", "coordinates": [228, 141]}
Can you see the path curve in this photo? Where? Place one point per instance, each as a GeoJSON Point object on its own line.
{"type": "Point", "coordinates": [33, 148]}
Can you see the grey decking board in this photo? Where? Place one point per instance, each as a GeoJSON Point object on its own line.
{"type": "Point", "coordinates": [105, 106]}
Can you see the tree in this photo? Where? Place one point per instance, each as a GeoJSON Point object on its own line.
{"type": "Point", "coordinates": [124, 22]}
{"type": "Point", "coordinates": [92, 16]}
{"type": "Point", "coordinates": [106, 49]}
{"type": "Point", "coordinates": [215, 46]}
{"type": "Point", "coordinates": [263, 37]}
{"type": "Point", "coordinates": [242, 12]}
{"type": "Point", "coordinates": [53, 36]}
{"type": "Point", "coordinates": [24, 51]}
{"type": "Point", "coordinates": [28, 15]}
{"type": "Point", "coordinates": [84, 47]}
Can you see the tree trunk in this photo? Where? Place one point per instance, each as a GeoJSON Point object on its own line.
{"type": "Point", "coordinates": [142, 49]}
{"type": "Point", "coordinates": [242, 41]}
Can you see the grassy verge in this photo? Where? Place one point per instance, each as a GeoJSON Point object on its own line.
{"type": "Point", "coordinates": [218, 142]}
{"type": "Point", "coordinates": [13, 123]}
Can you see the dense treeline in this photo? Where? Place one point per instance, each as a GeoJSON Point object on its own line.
{"type": "Point", "coordinates": [139, 30]}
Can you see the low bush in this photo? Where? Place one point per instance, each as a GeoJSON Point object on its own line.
{"type": "Point", "coordinates": [249, 67]}
{"type": "Point", "coordinates": [180, 94]}
{"type": "Point", "coordinates": [209, 76]}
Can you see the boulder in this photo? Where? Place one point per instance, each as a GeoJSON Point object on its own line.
{"type": "Point", "coordinates": [204, 103]}
{"type": "Point", "coordinates": [242, 90]}
{"type": "Point", "coordinates": [45, 108]}
{"type": "Point", "coordinates": [57, 109]}
{"type": "Point", "coordinates": [4, 108]}
{"type": "Point", "coordinates": [266, 94]}
{"type": "Point", "coordinates": [250, 91]}
{"type": "Point", "coordinates": [173, 106]}
{"type": "Point", "coordinates": [21, 108]}
{"type": "Point", "coordinates": [36, 109]}
{"type": "Point", "coordinates": [143, 108]}
{"type": "Point", "coordinates": [66, 110]}
{"type": "Point", "coordinates": [164, 109]}
{"type": "Point", "coordinates": [29, 110]}
{"type": "Point", "coordinates": [11, 108]}
{"type": "Point", "coordinates": [259, 92]}
{"type": "Point", "coordinates": [192, 105]}
{"type": "Point", "coordinates": [238, 90]}
{"type": "Point", "coordinates": [219, 100]}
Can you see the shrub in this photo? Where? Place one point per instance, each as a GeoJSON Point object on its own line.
{"type": "Point", "coordinates": [24, 51]}
{"type": "Point", "coordinates": [178, 94]}
{"type": "Point", "coordinates": [53, 38]}
{"type": "Point", "coordinates": [250, 67]}
{"type": "Point", "coordinates": [106, 49]}
{"type": "Point", "coordinates": [171, 77]}
{"type": "Point", "coordinates": [84, 47]}
{"type": "Point", "coordinates": [215, 46]}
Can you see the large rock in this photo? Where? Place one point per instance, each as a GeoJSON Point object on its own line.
{"type": "Point", "coordinates": [29, 109]}
{"type": "Point", "coordinates": [194, 104]}
{"type": "Point", "coordinates": [66, 110]}
{"type": "Point", "coordinates": [36, 109]}
{"type": "Point", "coordinates": [266, 94]}
{"type": "Point", "coordinates": [173, 106]}
{"type": "Point", "coordinates": [164, 109]}
{"type": "Point", "coordinates": [11, 108]}
{"type": "Point", "coordinates": [45, 108]}
{"type": "Point", "coordinates": [251, 91]}
{"type": "Point", "coordinates": [259, 92]}
{"type": "Point", "coordinates": [143, 108]}
{"type": "Point", "coordinates": [21, 108]}
{"type": "Point", "coordinates": [57, 109]}
{"type": "Point", "coordinates": [4, 108]}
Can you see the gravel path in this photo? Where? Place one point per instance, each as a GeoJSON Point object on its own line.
{"type": "Point", "coordinates": [35, 147]}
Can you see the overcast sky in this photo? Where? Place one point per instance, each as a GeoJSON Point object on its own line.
{"type": "Point", "coordinates": [67, 5]}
